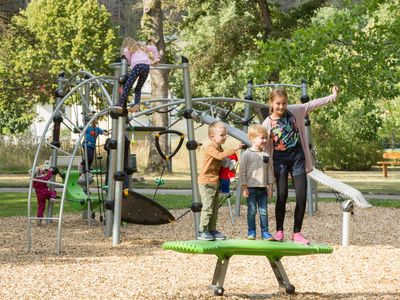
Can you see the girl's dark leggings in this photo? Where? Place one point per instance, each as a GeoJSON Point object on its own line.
{"type": "Point", "coordinates": [139, 72]}
{"type": "Point", "coordinates": [300, 182]}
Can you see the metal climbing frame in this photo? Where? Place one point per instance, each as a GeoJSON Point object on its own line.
{"type": "Point", "coordinates": [57, 117]}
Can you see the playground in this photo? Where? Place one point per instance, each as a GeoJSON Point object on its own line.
{"type": "Point", "coordinates": [138, 268]}
{"type": "Point", "coordinates": [100, 117]}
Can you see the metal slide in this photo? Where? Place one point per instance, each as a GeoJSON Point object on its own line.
{"type": "Point", "coordinates": [340, 187]}
{"type": "Point", "coordinates": [316, 175]}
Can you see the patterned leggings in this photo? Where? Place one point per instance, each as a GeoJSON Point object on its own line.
{"type": "Point", "coordinates": [140, 72]}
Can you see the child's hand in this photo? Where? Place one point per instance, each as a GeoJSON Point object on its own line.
{"type": "Point", "coordinates": [270, 190]}
{"type": "Point", "coordinates": [245, 192]}
{"type": "Point", "coordinates": [335, 91]}
{"type": "Point", "coordinates": [240, 146]}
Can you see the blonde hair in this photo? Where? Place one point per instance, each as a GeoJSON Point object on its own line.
{"type": "Point", "coordinates": [276, 93]}
{"type": "Point", "coordinates": [256, 130]}
{"type": "Point", "coordinates": [213, 126]}
{"type": "Point", "coordinates": [132, 45]}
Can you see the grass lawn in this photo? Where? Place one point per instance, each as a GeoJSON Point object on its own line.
{"type": "Point", "coordinates": [15, 204]}
{"type": "Point", "coordinates": [365, 181]}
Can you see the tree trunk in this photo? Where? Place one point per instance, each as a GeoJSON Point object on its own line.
{"type": "Point", "coordinates": [266, 18]}
{"type": "Point", "coordinates": [152, 25]}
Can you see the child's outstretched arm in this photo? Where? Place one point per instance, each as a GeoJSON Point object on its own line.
{"type": "Point", "coordinates": [322, 101]}
{"type": "Point", "coordinates": [221, 155]}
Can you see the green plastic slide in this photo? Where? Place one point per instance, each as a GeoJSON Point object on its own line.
{"type": "Point", "coordinates": [75, 193]}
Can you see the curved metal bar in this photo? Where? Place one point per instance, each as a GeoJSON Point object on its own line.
{"type": "Point", "coordinates": [97, 79]}
{"type": "Point", "coordinates": [223, 110]}
{"type": "Point", "coordinates": [154, 67]}
{"type": "Point", "coordinates": [200, 100]}
{"type": "Point", "coordinates": [211, 99]}
{"type": "Point", "coordinates": [57, 109]}
{"type": "Point", "coordinates": [68, 171]}
{"type": "Point", "coordinates": [275, 85]}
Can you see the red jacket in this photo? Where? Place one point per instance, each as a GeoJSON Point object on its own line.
{"type": "Point", "coordinates": [41, 188]}
{"type": "Point", "coordinates": [227, 172]}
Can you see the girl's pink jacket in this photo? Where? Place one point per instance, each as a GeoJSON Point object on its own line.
{"type": "Point", "coordinates": [141, 57]}
{"type": "Point", "coordinates": [299, 111]}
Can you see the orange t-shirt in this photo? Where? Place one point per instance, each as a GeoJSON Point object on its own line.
{"type": "Point", "coordinates": [213, 156]}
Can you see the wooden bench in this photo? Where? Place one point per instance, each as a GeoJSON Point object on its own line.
{"type": "Point", "coordinates": [393, 160]}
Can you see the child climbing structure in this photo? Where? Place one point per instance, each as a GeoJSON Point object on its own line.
{"type": "Point", "coordinates": [83, 85]}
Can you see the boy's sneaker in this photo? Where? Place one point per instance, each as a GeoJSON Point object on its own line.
{"type": "Point", "coordinates": [299, 238]}
{"type": "Point", "coordinates": [218, 235]}
{"type": "Point", "coordinates": [206, 236]}
{"type": "Point", "coordinates": [267, 236]}
{"type": "Point", "coordinates": [52, 200]}
{"type": "Point", "coordinates": [251, 235]}
{"type": "Point", "coordinates": [279, 236]}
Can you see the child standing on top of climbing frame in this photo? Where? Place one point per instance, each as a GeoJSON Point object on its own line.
{"type": "Point", "coordinates": [139, 56]}
{"type": "Point", "coordinates": [289, 152]}
{"type": "Point", "coordinates": [256, 181]}
{"type": "Point", "coordinates": [209, 181]}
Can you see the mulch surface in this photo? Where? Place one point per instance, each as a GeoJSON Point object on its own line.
{"type": "Point", "coordinates": [91, 268]}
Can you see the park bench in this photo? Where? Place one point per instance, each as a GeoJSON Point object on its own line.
{"type": "Point", "coordinates": [224, 250]}
{"type": "Point", "coordinates": [393, 158]}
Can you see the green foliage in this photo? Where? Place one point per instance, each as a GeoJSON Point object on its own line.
{"type": "Point", "coordinates": [351, 136]}
{"type": "Point", "coordinates": [389, 131]}
{"type": "Point", "coordinates": [354, 48]}
{"type": "Point", "coordinates": [217, 51]}
{"type": "Point", "coordinates": [219, 38]}
{"type": "Point", "coordinates": [45, 39]}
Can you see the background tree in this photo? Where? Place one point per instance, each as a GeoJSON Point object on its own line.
{"type": "Point", "coordinates": [47, 37]}
{"type": "Point", "coordinates": [354, 48]}
{"type": "Point", "coordinates": [219, 37]}
{"type": "Point", "coordinates": [152, 30]}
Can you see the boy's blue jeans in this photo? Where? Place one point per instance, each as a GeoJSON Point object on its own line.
{"type": "Point", "coordinates": [257, 198]}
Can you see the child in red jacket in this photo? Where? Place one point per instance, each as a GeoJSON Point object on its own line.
{"type": "Point", "coordinates": [42, 190]}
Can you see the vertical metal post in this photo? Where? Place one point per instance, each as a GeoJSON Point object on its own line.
{"type": "Point", "coordinates": [346, 228]}
{"type": "Point", "coordinates": [56, 141]}
{"type": "Point", "coordinates": [119, 173]}
{"type": "Point", "coordinates": [310, 183]}
{"type": "Point", "coordinates": [86, 117]}
{"type": "Point", "coordinates": [112, 161]}
{"type": "Point", "coordinates": [191, 141]}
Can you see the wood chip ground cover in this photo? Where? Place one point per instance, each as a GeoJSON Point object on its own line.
{"type": "Point", "coordinates": [91, 268]}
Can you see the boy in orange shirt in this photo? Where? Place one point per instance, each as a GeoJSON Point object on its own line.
{"type": "Point", "coordinates": [209, 181]}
